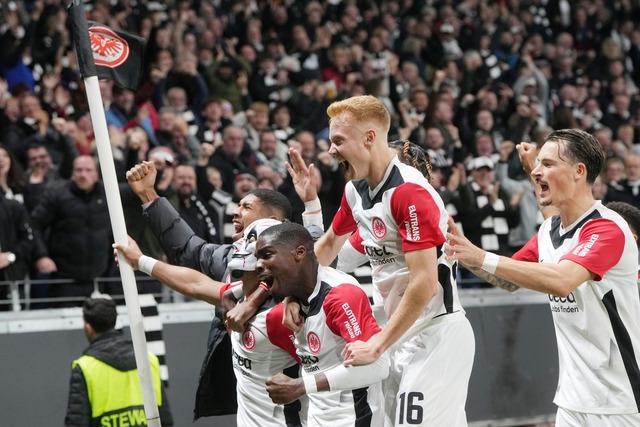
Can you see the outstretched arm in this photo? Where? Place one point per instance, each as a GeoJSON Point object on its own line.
{"type": "Point", "coordinates": [555, 279]}
{"type": "Point", "coordinates": [188, 282]}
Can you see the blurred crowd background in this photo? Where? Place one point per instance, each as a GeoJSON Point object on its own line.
{"type": "Point", "coordinates": [229, 86]}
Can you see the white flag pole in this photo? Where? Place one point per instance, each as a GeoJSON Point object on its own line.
{"type": "Point", "coordinates": [118, 226]}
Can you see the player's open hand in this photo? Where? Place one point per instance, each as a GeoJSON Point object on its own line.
{"type": "Point", "coordinates": [302, 176]}
{"type": "Point", "coordinates": [459, 248]}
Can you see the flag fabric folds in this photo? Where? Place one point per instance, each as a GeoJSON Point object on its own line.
{"type": "Point", "coordinates": [104, 52]}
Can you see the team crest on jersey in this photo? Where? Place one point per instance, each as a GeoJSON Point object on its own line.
{"type": "Point", "coordinates": [314, 342]}
{"type": "Point", "coordinates": [248, 339]}
{"type": "Point", "coordinates": [378, 227]}
{"type": "Point", "coordinates": [109, 49]}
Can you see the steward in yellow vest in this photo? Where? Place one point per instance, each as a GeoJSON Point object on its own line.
{"type": "Point", "coordinates": [105, 389]}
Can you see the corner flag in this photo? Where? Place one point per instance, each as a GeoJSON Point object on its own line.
{"type": "Point", "coordinates": [104, 52]}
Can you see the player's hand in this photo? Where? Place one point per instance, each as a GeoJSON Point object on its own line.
{"type": "Point", "coordinates": [527, 153]}
{"type": "Point", "coordinates": [291, 317]}
{"type": "Point", "coordinates": [459, 248]}
{"type": "Point", "coordinates": [130, 251]}
{"type": "Point", "coordinates": [236, 318]}
{"type": "Point", "coordinates": [360, 353]}
{"type": "Point", "coordinates": [303, 176]}
{"type": "Point", "coordinates": [284, 389]}
{"type": "Point", "coordinates": [142, 178]}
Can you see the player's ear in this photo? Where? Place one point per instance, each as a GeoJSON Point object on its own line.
{"type": "Point", "coordinates": [580, 170]}
{"type": "Point", "coordinates": [299, 253]}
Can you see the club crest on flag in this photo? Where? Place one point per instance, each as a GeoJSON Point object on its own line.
{"type": "Point", "coordinates": [109, 49]}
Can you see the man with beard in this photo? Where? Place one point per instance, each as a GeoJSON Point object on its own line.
{"type": "Point", "coordinates": [197, 213]}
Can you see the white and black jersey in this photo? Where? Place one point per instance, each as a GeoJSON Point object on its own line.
{"type": "Point", "coordinates": [598, 324]}
{"type": "Point", "coordinates": [338, 313]}
{"type": "Point", "coordinates": [404, 213]}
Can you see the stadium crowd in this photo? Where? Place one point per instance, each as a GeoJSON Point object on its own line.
{"type": "Point", "coordinates": [229, 86]}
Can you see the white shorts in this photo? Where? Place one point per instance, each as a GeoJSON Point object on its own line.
{"type": "Point", "coordinates": [566, 418]}
{"type": "Point", "coordinates": [429, 376]}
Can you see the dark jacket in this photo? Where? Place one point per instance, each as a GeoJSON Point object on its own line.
{"type": "Point", "coordinates": [116, 350]}
{"type": "Point", "coordinates": [216, 393]}
{"type": "Point", "coordinates": [15, 236]}
{"type": "Point", "coordinates": [79, 230]}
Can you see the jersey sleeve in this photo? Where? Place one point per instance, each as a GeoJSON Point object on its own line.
{"type": "Point", "coordinates": [349, 314]}
{"type": "Point", "coordinates": [529, 252]}
{"type": "Point", "coordinates": [279, 335]}
{"type": "Point", "coordinates": [599, 248]}
{"type": "Point", "coordinates": [343, 223]}
{"type": "Point", "coordinates": [418, 217]}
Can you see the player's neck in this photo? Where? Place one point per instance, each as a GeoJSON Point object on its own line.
{"type": "Point", "coordinates": [378, 167]}
{"type": "Point", "coordinates": [573, 209]}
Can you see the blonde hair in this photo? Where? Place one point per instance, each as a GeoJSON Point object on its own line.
{"type": "Point", "coordinates": [362, 109]}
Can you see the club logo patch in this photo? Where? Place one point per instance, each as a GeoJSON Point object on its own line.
{"type": "Point", "coordinates": [109, 49]}
{"type": "Point", "coordinates": [248, 339]}
{"type": "Point", "coordinates": [314, 342]}
{"type": "Point", "coordinates": [378, 227]}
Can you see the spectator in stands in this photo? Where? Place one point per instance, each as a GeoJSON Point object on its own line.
{"type": "Point", "coordinates": [233, 157]}
{"type": "Point", "coordinates": [73, 234]}
{"type": "Point", "coordinates": [272, 152]}
{"type": "Point", "coordinates": [16, 243]}
{"type": "Point", "coordinates": [41, 174]}
{"type": "Point", "coordinates": [228, 77]}
{"type": "Point", "coordinates": [176, 98]}
{"type": "Point", "coordinates": [105, 382]}
{"type": "Point", "coordinates": [185, 146]}
{"type": "Point", "coordinates": [628, 189]}
{"type": "Point", "coordinates": [196, 212]}
{"type": "Point", "coordinates": [210, 131]}
{"type": "Point", "coordinates": [11, 176]}
{"type": "Point", "coordinates": [254, 121]}
{"type": "Point", "coordinates": [485, 211]}
{"type": "Point", "coordinates": [35, 126]}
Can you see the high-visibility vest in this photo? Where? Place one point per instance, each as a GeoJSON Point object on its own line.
{"type": "Point", "coordinates": [116, 396]}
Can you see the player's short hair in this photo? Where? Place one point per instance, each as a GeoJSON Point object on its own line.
{"type": "Point", "coordinates": [100, 313]}
{"type": "Point", "coordinates": [580, 147]}
{"type": "Point", "coordinates": [275, 201]}
{"type": "Point", "coordinates": [363, 109]}
{"type": "Point", "coordinates": [290, 234]}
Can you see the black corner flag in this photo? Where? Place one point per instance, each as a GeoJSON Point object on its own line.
{"type": "Point", "coordinates": [104, 52]}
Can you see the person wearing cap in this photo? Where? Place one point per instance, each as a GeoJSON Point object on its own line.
{"type": "Point", "coordinates": [485, 212]}
{"type": "Point", "coordinates": [265, 347]}
{"type": "Point", "coordinates": [244, 184]}
{"type": "Point", "coordinates": [182, 247]}
{"type": "Point", "coordinates": [105, 383]}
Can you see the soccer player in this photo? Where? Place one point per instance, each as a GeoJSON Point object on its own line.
{"type": "Point", "coordinates": [402, 223]}
{"type": "Point", "coordinates": [337, 312]}
{"type": "Point", "coordinates": [586, 259]}
{"type": "Point", "coordinates": [263, 349]}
